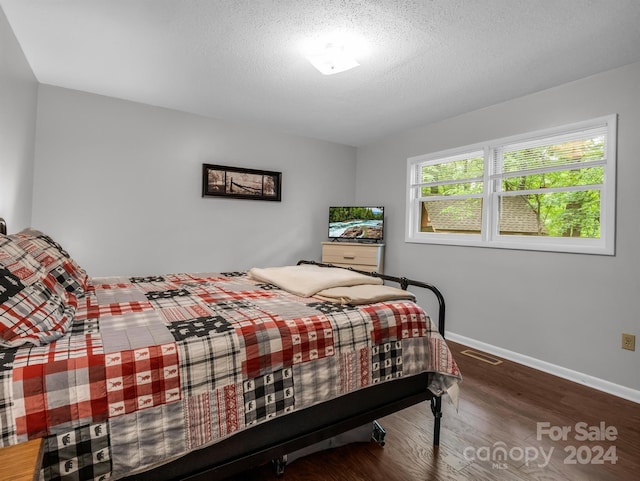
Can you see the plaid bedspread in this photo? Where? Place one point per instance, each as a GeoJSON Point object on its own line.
{"type": "Point", "coordinates": [154, 367]}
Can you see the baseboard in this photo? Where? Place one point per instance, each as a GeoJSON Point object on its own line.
{"type": "Point", "coordinates": [575, 376]}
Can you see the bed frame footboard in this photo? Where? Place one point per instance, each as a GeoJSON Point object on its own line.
{"type": "Point", "coordinates": [436, 402]}
{"type": "Point", "coordinates": [404, 284]}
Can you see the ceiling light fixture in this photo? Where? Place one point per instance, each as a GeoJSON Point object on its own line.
{"type": "Point", "coordinates": [331, 59]}
{"type": "Point", "coordinates": [334, 52]}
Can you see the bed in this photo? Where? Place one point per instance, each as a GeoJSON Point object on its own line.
{"type": "Point", "coordinates": [202, 375]}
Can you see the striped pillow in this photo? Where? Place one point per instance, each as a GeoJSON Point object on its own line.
{"type": "Point", "coordinates": [54, 259]}
{"type": "Point", "coordinates": [34, 307]}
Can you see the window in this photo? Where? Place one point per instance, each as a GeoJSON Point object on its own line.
{"type": "Point", "coordinates": [550, 190]}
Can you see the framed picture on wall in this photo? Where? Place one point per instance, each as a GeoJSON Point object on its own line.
{"type": "Point", "coordinates": [240, 183]}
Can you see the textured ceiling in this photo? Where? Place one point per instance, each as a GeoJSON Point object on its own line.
{"type": "Point", "coordinates": [240, 60]}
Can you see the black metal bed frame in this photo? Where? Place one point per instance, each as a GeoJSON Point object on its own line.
{"type": "Point", "coordinates": [272, 440]}
{"type": "Point", "coordinates": [436, 402]}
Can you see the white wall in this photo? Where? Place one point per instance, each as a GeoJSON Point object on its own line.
{"type": "Point", "coordinates": [565, 309]}
{"type": "Point", "coordinates": [119, 184]}
{"type": "Point", "coordinates": [18, 102]}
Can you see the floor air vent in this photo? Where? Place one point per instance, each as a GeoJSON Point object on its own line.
{"type": "Point", "coordinates": [482, 357]}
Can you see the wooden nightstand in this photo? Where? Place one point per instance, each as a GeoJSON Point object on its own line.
{"type": "Point", "coordinates": [364, 257]}
{"type": "Point", "coordinates": [21, 462]}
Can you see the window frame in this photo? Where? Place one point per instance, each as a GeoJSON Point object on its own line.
{"type": "Point", "coordinates": [489, 235]}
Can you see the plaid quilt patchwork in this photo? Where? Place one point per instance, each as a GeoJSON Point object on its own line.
{"type": "Point", "coordinates": [386, 361]}
{"type": "Point", "coordinates": [147, 279]}
{"type": "Point", "coordinates": [142, 378]}
{"type": "Point", "coordinates": [94, 310]}
{"type": "Point", "coordinates": [146, 437]}
{"type": "Point", "coordinates": [119, 294]}
{"type": "Point", "coordinates": [213, 415]}
{"type": "Point", "coordinates": [199, 425]}
{"type": "Point", "coordinates": [37, 314]}
{"type": "Point", "coordinates": [80, 327]}
{"type": "Point", "coordinates": [307, 339]}
{"type": "Point", "coordinates": [397, 320]}
{"type": "Point", "coordinates": [153, 367]}
{"type": "Point", "coordinates": [228, 410]}
{"type": "Point", "coordinates": [272, 341]}
{"type": "Point", "coordinates": [355, 370]}
{"type": "Point", "coordinates": [185, 313]}
{"type": "Point", "coordinates": [209, 363]}
{"type": "Point", "coordinates": [211, 296]}
{"type": "Point", "coordinates": [10, 284]}
{"type": "Point", "coordinates": [84, 346]}
{"type": "Point", "coordinates": [51, 396]}
{"type": "Point", "coordinates": [80, 454]}
{"type": "Point", "coordinates": [262, 346]}
{"type": "Point", "coordinates": [7, 423]}
{"type": "Point", "coordinates": [267, 396]}
{"type": "Point", "coordinates": [314, 381]}
{"type": "Point", "coordinates": [351, 329]}
{"type": "Point", "coordinates": [135, 330]}
{"type": "Point", "coordinates": [415, 353]}
{"type": "Point", "coordinates": [200, 278]}
{"type": "Point", "coordinates": [200, 327]}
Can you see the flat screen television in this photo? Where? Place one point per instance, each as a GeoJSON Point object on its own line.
{"type": "Point", "coordinates": [357, 223]}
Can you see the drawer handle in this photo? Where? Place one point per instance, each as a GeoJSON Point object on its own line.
{"type": "Point", "coordinates": [348, 257]}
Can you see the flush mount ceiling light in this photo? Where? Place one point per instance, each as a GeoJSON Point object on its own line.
{"type": "Point", "coordinates": [334, 52]}
{"type": "Point", "coordinates": [332, 59]}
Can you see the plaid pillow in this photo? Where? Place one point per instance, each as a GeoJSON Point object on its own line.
{"type": "Point", "coordinates": [54, 259]}
{"type": "Point", "coordinates": [34, 307]}
{"type": "Point", "coordinates": [19, 269]}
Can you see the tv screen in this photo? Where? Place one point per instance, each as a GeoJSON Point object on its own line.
{"type": "Point", "coordinates": [360, 223]}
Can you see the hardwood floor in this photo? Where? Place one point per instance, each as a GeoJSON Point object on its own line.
{"type": "Point", "coordinates": [500, 407]}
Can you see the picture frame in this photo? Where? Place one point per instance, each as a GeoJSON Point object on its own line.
{"type": "Point", "coordinates": [241, 183]}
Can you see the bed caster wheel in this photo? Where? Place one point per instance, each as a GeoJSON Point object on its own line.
{"type": "Point", "coordinates": [279, 464]}
{"type": "Point", "coordinates": [378, 433]}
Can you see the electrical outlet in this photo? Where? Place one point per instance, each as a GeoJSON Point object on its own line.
{"type": "Point", "coordinates": [629, 342]}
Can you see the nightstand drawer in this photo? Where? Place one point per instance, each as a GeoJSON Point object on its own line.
{"type": "Point", "coordinates": [350, 254]}
{"type": "Point", "coordinates": [366, 257]}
